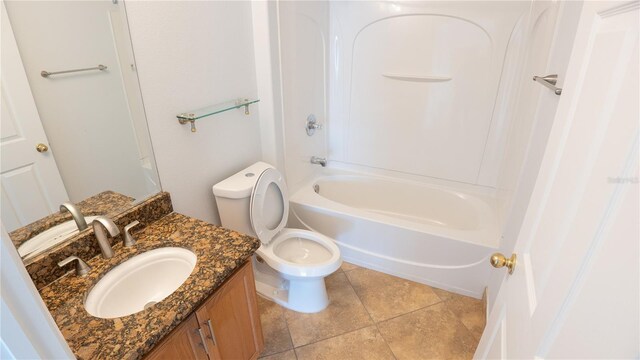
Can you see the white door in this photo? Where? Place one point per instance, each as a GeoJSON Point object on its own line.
{"type": "Point", "coordinates": [575, 289]}
{"type": "Point", "coordinates": [31, 184]}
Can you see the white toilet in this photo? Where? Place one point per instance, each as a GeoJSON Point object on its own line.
{"type": "Point", "coordinates": [290, 264]}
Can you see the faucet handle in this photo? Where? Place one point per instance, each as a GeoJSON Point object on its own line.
{"type": "Point", "coordinates": [82, 269]}
{"type": "Point", "coordinates": [128, 238]}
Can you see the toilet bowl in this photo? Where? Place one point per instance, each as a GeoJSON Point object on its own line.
{"type": "Point", "coordinates": [291, 264]}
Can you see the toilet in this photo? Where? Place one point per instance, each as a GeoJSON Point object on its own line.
{"type": "Point", "coordinates": [291, 264]}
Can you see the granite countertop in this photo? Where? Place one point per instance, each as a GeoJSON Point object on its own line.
{"type": "Point", "coordinates": [104, 203]}
{"type": "Point", "coordinates": [219, 252]}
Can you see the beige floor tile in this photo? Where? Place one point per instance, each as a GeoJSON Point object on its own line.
{"type": "Point", "coordinates": [430, 333]}
{"type": "Point", "coordinates": [366, 344]}
{"type": "Point", "coordinates": [443, 294]}
{"type": "Point", "coordinates": [470, 311]}
{"type": "Point", "coordinates": [274, 327]}
{"type": "Point", "coordinates": [386, 296]}
{"type": "Point", "coordinates": [345, 313]}
{"type": "Point", "coordinates": [287, 355]}
{"type": "Point", "coordinates": [348, 266]}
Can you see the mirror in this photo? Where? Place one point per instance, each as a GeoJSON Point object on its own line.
{"type": "Point", "coordinates": [73, 123]}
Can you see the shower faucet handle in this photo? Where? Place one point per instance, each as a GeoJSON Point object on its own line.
{"type": "Point", "coordinates": [312, 125]}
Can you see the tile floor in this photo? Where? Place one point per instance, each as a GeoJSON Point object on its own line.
{"type": "Point", "coordinates": [375, 316]}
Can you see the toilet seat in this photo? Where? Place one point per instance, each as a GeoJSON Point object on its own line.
{"type": "Point", "coordinates": [271, 254]}
{"type": "Point", "coordinates": [277, 240]}
{"type": "Point", "coordinates": [258, 211]}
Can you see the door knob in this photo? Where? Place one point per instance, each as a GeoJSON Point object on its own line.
{"type": "Point", "coordinates": [42, 148]}
{"type": "Point", "coordinates": [498, 260]}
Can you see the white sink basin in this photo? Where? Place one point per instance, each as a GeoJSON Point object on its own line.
{"type": "Point", "coordinates": [140, 282]}
{"type": "Point", "coordinates": [50, 238]}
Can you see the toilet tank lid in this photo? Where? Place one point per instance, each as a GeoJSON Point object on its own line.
{"type": "Point", "coordinates": [240, 184]}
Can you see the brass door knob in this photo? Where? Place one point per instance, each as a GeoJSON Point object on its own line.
{"type": "Point", "coordinates": [42, 148]}
{"type": "Point", "coordinates": [498, 260]}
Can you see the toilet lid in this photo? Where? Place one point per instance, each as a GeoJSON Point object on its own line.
{"type": "Point", "coordinates": [269, 208]}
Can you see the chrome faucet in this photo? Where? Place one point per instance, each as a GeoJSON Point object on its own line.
{"type": "Point", "coordinates": [319, 161]}
{"type": "Point", "coordinates": [99, 225]}
{"type": "Point", "coordinates": [76, 213]}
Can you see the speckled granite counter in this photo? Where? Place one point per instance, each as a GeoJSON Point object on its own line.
{"type": "Point", "coordinates": [44, 268]}
{"type": "Point", "coordinates": [219, 251]}
{"type": "Point", "coordinates": [104, 203]}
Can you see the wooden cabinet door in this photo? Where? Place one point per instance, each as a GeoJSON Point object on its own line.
{"type": "Point", "coordinates": [184, 342]}
{"type": "Point", "coordinates": [232, 314]}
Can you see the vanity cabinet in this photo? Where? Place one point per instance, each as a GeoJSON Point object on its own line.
{"type": "Point", "coordinates": [226, 326]}
{"type": "Point", "coordinates": [184, 342]}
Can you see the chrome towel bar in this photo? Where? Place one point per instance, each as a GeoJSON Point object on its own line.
{"type": "Point", "coordinates": [45, 73]}
{"type": "Point", "coordinates": [549, 81]}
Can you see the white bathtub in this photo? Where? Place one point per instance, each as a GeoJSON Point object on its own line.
{"type": "Point", "coordinates": [431, 234]}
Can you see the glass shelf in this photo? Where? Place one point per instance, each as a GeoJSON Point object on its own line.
{"type": "Point", "coordinates": [218, 108]}
{"type": "Point", "coordinates": [192, 116]}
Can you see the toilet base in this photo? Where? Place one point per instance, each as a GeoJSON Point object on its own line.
{"type": "Point", "coordinates": [306, 295]}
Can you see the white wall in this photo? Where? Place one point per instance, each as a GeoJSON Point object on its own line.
{"type": "Point", "coordinates": [190, 55]}
{"type": "Point", "coordinates": [414, 86]}
{"type": "Point", "coordinates": [267, 54]}
{"type": "Point", "coordinates": [304, 51]}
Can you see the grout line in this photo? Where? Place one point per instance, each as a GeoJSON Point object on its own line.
{"type": "Point", "coordinates": [412, 311]}
{"type": "Point", "coordinates": [459, 318]}
{"type": "Point", "coordinates": [348, 332]}
{"type": "Point", "coordinates": [370, 316]}
{"type": "Point", "coordinates": [386, 342]}
{"type": "Point", "coordinates": [286, 323]}
{"type": "Point", "coordinates": [293, 347]}
{"type": "Point", "coordinates": [277, 353]}
{"type": "Point", "coordinates": [359, 299]}
{"type": "Point", "coordinates": [463, 326]}
{"type": "Point", "coordinates": [334, 336]}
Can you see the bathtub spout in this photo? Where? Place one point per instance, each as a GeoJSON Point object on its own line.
{"type": "Point", "coordinates": [319, 161]}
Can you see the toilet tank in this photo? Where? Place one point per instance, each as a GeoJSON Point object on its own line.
{"type": "Point", "coordinates": [233, 198]}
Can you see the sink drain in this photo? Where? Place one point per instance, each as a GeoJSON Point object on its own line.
{"type": "Point", "coordinates": [150, 304]}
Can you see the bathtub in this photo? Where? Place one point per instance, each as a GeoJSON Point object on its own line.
{"type": "Point", "coordinates": [433, 234]}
